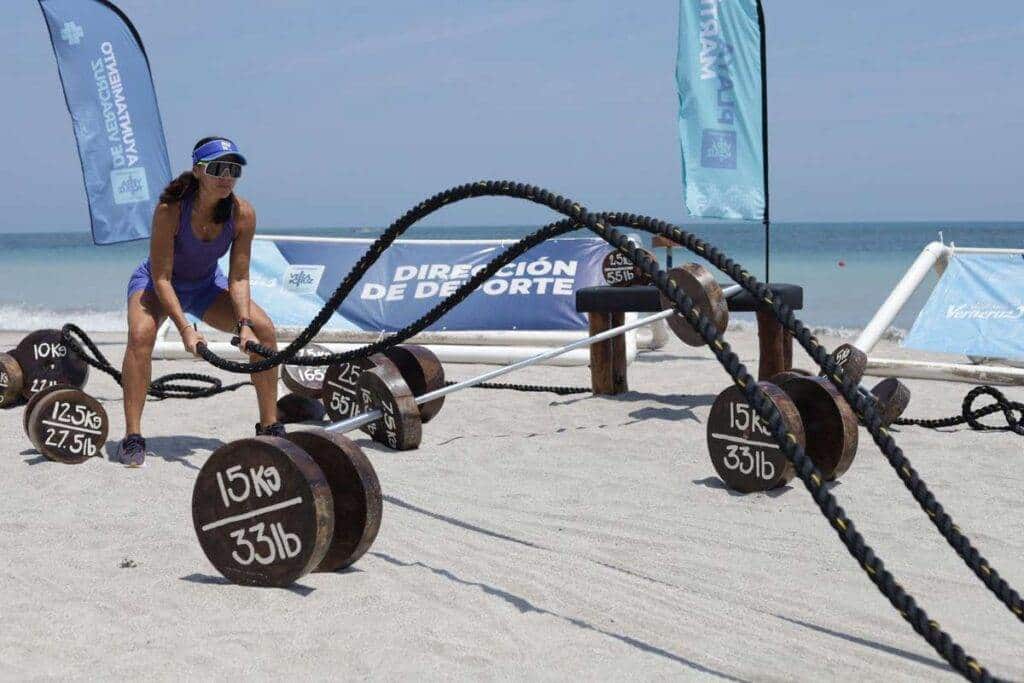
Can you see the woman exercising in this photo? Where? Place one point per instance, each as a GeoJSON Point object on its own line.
{"type": "Point", "coordinates": [197, 221]}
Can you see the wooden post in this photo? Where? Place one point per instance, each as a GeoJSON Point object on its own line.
{"type": "Point", "coordinates": [776, 347]}
{"type": "Point", "coordinates": [607, 358]}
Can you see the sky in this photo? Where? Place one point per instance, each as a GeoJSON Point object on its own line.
{"type": "Point", "coordinates": [351, 112]}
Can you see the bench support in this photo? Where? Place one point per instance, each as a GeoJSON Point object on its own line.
{"type": "Point", "coordinates": [607, 358]}
{"type": "Point", "coordinates": [776, 347]}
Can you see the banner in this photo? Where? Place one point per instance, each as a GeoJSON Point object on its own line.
{"type": "Point", "coordinates": [291, 278]}
{"type": "Point", "coordinates": [976, 309]}
{"type": "Point", "coordinates": [720, 82]}
{"type": "Point", "coordinates": [109, 92]}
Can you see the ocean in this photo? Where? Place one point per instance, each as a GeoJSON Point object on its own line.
{"type": "Point", "coordinates": [846, 269]}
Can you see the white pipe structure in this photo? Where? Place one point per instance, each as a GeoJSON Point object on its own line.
{"type": "Point", "coordinates": [937, 255]}
{"type": "Point", "coordinates": [372, 415]}
{"type": "Point", "coordinates": [956, 372]}
{"type": "Point", "coordinates": [897, 299]}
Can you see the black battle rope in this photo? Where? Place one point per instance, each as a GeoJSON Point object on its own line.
{"type": "Point", "coordinates": [971, 416]}
{"type": "Point", "coordinates": [161, 387]}
{"type": "Point", "coordinates": [854, 542]}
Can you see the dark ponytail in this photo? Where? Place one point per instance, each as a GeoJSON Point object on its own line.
{"type": "Point", "coordinates": [186, 185]}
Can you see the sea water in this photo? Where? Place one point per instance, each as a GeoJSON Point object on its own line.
{"type": "Point", "coordinates": [846, 269]}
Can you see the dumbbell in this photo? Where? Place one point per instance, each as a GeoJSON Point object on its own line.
{"type": "Point", "coordinates": [405, 371]}
{"type": "Point", "coordinates": [65, 424]}
{"type": "Point", "coordinates": [268, 510]}
{"type": "Point", "coordinates": [39, 361]}
{"type": "Point", "coordinates": [741, 447]}
{"type": "Point", "coordinates": [890, 397]}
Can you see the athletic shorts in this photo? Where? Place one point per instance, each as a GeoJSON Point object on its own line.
{"type": "Point", "coordinates": [195, 296]}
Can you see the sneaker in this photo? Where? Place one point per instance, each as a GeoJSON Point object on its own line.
{"type": "Point", "coordinates": [132, 452]}
{"type": "Point", "coordinates": [275, 429]}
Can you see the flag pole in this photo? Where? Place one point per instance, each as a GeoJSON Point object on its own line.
{"type": "Point", "coordinates": [764, 139]}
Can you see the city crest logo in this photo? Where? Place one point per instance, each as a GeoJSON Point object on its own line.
{"type": "Point", "coordinates": [71, 33]}
{"type": "Point", "coordinates": [129, 185]}
{"type": "Point", "coordinates": [302, 279]}
{"type": "Point", "coordinates": [718, 149]}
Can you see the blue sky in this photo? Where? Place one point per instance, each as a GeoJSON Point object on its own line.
{"type": "Point", "coordinates": [350, 112]}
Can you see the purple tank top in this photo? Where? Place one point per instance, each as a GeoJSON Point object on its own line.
{"type": "Point", "coordinates": [195, 260]}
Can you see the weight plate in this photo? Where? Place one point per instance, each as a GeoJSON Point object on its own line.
{"type": "Point", "coordinates": [46, 361]}
{"type": "Point", "coordinates": [422, 371]}
{"type": "Point", "coordinates": [829, 423]}
{"type": "Point", "coordinates": [383, 388]}
{"type": "Point", "coordinates": [293, 408]}
{"type": "Point", "coordinates": [741, 447]}
{"type": "Point", "coordinates": [306, 380]}
{"type": "Point", "coordinates": [356, 491]}
{"type": "Point", "coordinates": [263, 511]}
{"type": "Point", "coordinates": [11, 380]}
{"type": "Point", "coordinates": [68, 426]}
{"type": "Point", "coordinates": [697, 283]}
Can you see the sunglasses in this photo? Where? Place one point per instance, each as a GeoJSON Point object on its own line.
{"type": "Point", "coordinates": [222, 169]}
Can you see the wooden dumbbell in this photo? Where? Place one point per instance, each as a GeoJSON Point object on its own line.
{"type": "Point", "coordinates": [269, 510]}
{"type": "Point", "coordinates": [741, 447]}
{"type": "Point", "coordinates": [890, 397]}
{"type": "Point", "coordinates": [415, 366]}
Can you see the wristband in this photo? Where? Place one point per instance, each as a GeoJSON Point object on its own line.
{"type": "Point", "coordinates": [243, 322]}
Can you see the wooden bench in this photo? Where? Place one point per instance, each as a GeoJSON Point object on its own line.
{"type": "Point", "coordinates": [606, 308]}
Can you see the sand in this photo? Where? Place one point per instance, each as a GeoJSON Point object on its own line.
{"type": "Point", "coordinates": [531, 536]}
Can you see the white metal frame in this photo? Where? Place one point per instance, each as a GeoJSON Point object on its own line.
{"type": "Point", "coordinates": [936, 255]}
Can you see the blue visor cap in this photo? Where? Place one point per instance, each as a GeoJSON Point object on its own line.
{"type": "Point", "coordinates": [215, 149]}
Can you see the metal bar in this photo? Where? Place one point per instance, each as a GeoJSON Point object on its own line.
{"type": "Point", "coordinates": [984, 250]}
{"type": "Point", "coordinates": [368, 417]}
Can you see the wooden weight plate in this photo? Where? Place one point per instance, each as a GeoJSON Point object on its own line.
{"type": "Point", "coordinates": [306, 380]}
{"type": "Point", "coordinates": [851, 361]}
{"type": "Point", "coordinates": [45, 361]}
{"type": "Point", "coordinates": [356, 491]}
{"type": "Point", "coordinates": [892, 397]}
{"type": "Point", "coordinates": [340, 395]}
{"type": "Point", "coordinates": [619, 271]}
{"type": "Point", "coordinates": [383, 387]}
{"type": "Point", "coordinates": [741, 447]}
{"type": "Point", "coordinates": [785, 374]}
{"type": "Point", "coordinates": [68, 425]}
{"type": "Point", "coordinates": [699, 284]}
{"type": "Point", "coordinates": [11, 380]}
{"type": "Point", "coordinates": [422, 371]}
{"type": "Point", "coordinates": [26, 415]}
{"type": "Point", "coordinates": [293, 408]}
{"type": "Point", "coordinates": [829, 422]}
{"type": "Point", "coordinates": [262, 511]}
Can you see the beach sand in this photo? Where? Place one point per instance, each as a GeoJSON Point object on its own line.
{"type": "Point", "coordinates": [531, 536]}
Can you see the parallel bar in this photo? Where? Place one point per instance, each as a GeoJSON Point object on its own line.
{"type": "Point", "coordinates": [373, 415]}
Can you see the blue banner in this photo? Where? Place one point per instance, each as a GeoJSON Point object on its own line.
{"type": "Point", "coordinates": [976, 309]}
{"type": "Point", "coordinates": [292, 278]}
{"type": "Point", "coordinates": [109, 92]}
{"type": "Point", "coordinates": [721, 99]}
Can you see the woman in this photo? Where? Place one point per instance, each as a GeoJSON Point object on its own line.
{"type": "Point", "coordinates": [197, 221]}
